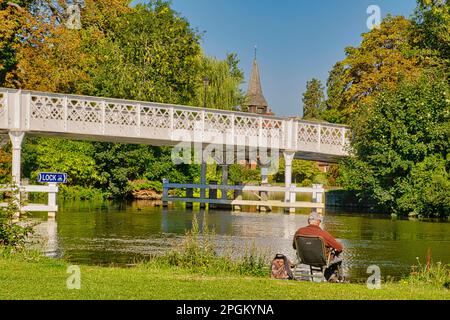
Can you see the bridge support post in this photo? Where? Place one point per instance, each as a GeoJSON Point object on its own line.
{"type": "Point", "coordinates": [288, 157]}
{"type": "Point", "coordinates": [16, 138]}
{"type": "Point", "coordinates": [265, 174]}
{"type": "Point", "coordinates": [237, 196]}
{"type": "Point", "coordinates": [189, 195]}
{"type": "Point", "coordinates": [213, 195]}
{"type": "Point", "coordinates": [203, 169]}
{"type": "Point", "coordinates": [224, 181]}
{"type": "Point", "coordinates": [165, 193]}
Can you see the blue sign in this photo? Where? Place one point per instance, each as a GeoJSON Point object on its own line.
{"type": "Point", "coordinates": [49, 177]}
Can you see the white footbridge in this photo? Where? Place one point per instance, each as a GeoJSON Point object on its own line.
{"type": "Point", "coordinates": [137, 122]}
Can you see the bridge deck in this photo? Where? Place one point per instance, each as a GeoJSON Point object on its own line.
{"type": "Point", "coordinates": [125, 121]}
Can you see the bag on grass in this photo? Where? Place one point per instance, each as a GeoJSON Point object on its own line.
{"type": "Point", "coordinates": [281, 268]}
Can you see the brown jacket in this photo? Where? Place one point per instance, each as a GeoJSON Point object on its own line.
{"type": "Point", "coordinates": [311, 230]}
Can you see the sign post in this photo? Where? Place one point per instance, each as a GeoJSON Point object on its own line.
{"type": "Point", "coordinates": [52, 179]}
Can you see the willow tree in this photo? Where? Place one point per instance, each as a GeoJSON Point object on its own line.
{"type": "Point", "coordinates": [223, 87]}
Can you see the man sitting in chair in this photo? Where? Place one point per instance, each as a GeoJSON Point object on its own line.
{"type": "Point", "coordinates": [331, 244]}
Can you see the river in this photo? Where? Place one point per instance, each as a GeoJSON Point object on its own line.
{"type": "Point", "coordinates": [108, 233]}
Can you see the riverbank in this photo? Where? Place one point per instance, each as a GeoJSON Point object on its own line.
{"type": "Point", "coordinates": [36, 278]}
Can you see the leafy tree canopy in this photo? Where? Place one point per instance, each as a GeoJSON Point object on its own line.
{"type": "Point", "coordinates": [401, 144]}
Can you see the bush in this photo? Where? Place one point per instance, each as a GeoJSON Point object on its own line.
{"type": "Point", "coordinates": [146, 185]}
{"type": "Point", "coordinates": [81, 193]}
{"type": "Point", "coordinates": [13, 233]}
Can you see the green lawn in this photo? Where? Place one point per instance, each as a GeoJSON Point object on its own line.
{"type": "Point", "coordinates": [46, 279]}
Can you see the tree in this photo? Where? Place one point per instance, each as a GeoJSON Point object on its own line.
{"type": "Point", "coordinates": [401, 145]}
{"type": "Point", "coordinates": [148, 52]}
{"type": "Point", "coordinates": [432, 20]}
{"type": "Point", "coordinates": [385, 57]}
{"type": "Point", "coordinates": [151, 54]}
{"type": "Point", "coordinates": [60, 155]}
{"type": "Point", "coordinates": [51, 57]}
{"type": "Point", "coordinates": [225, 78]}
{"type": "Point", "coordinates": [335, 90]}
{"type": "Point", "coordinates": [313, 100]}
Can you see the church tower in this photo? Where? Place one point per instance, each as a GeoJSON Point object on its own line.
{"type": "Point", "coordinates": [255, 101]}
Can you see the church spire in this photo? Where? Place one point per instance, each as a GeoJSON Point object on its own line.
{"type": "Point", "coordinates": [255, 97]}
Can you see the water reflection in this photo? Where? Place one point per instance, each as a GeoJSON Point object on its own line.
{"type": "Point", "coordinates": [105, 233]}
{"type": "Point", "coordinates": [47, 232]}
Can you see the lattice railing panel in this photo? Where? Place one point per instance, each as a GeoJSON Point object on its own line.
{"type": "Point", "coordinates": [155, 117]}
{"type": "Point", "coordinates": [246, 126]}
{"type": "Point", "coordinates": [308, 133]}
{"type": "Point", "coordinates": [84, 111]}
{"type": "Point", "coordinates": [187, 120]}
{"type": "Point", "coordinates": [121, 114]}
{"type": "Point", "coordinates": [47, 108]}
{"type": "Point", "coordinates": [331, 136]}
{"type": "Point", "coordinates": [218, 123]}
{"type": "Point", "coordinates": [272, 128]}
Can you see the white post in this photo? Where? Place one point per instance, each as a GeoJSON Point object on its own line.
{"type": "Point", "coordinates": [66, 113]}
{"type": "Point", "coordinates": [203, 125]}
{"type": "Point", "coordinates": [172, 123]}
{"type": "Point", "coordinates": [295, 136]}
{"type": "Point", "coordinates": [344, 145]}
{"type": "Point", "coordinates": [16, 141]}
{"type": "Point", "coordinates": [293, 198]}
{"type": "Point", "coordinates": [260, 135]}
{"type": "Point", "coordinates": [290, 134]}
{"type": "Point", "coordinates": [319, 146]}
{"type": "Point", "coordinates": [103, 117]}
{"type": "Point", "coordinates": [138, 119]}
{"type": "Point", "coordinates": [16, 138]}
{"type": "Point", "coordinates": [52, 200]}
{"type": "Point", "coordinates": [264, 195]}
{"type": "Point", "coordinates": [265, 174]}
{"type": "Point", "coordinates": [317, 196]}
{"type": "Point", "coordinates": [288, 157]}
{"type": "Point", "coordinates": [320, 197]}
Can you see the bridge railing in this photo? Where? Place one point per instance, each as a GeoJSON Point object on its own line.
{"type": "Point", "coordinates": [135, 120]}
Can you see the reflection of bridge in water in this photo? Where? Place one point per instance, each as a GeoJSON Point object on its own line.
{"type": "Point", "coordinates": [136, 122]}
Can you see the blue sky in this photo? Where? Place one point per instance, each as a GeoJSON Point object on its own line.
{"type": "Point", "coordinates": [296, 39]}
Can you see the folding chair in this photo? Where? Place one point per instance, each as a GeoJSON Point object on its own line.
{"type": "Point", "coordinates": [311, 251]}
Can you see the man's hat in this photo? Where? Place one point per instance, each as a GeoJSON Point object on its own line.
{"type": "Point", "coordinates": [314, 216]}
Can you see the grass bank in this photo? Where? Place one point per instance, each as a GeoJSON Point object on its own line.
{"type": "Point", "coordinates": [28, 276]}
